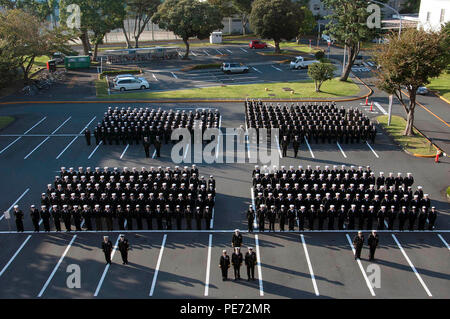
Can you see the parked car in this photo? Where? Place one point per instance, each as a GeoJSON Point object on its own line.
{"type": "Point", "coordinates": [422, 90]}
{"type": "Point", "coordinates": [234, 68]}
{"type": "Point", "coordinates": [121, 76]}
{"type": "Point", "coordinates": [58, 57]}
{"type": "Point", "coordinates": [300, 63]}
{"type": "Point", "coordinates": [327, 38]}
{"type": "Point", "coordinates": [131, 83]}
{"type": "Point", "coordinates": [257, 44]}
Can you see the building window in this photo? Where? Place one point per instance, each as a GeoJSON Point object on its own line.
{"type": "Point", "coordinates": [442, 15]}
{"type": "Point", "coordinates": [428, 16]}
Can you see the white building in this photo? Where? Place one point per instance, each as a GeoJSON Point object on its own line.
{"type": "Point", "coordinates": [433, 14]}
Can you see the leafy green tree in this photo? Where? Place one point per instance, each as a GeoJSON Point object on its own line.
{"type": "Point", "coordinates": [188, 18]}
{"type": "Point", "coordinates": [140, 12]}
{"type": "Point", "coordinates": [38, 8]}
{"type": "Point", "coordinates": [348, 25]}
{"type": "Point", "coordinates": [9, 66]}
{"type": "Point", "coordinates": [408, 62]}
{"type": "Point", "coordinates": [27, 38]}
{"type": "Point", "coordinates": [275, 19]}
{"type": "Point", "coordinates": [244, 8]}
{"type": "Point", "coordinates": [321, 72]}
{"type": "Point", "coordinates": [225, 7]}
{"type": "Point", "coordinates": [308, 23]}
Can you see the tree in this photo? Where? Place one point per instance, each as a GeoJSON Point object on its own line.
{"type": "Point", "coordinates": [244, 8]}
{"type": "Point", "coordinates": [140, 12]}
{"type": "Point", "coordinates": [225, 7]}
{"type": "Point", "coordinates": [275, 19]}
{"type": "Point", "coordinates": [97, 16]}
{"type": "Point", "coordinates": [9, 66]}
{"type": "Point", "coordinates": [408, 62]}
{"type": "Point", "coordinates": [188, 18]}
{"type": "Point", "coordinates": [308, 23]}
{"type": "Point", "coordinates": [38, 8]}
{"type": "Point", "coordinates": [27, 38]}
{"type": "Point", "coordinates": [348, 25]}
{"type": "Point", "coordinates": [321, 72]}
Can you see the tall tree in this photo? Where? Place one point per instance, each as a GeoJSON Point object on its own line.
{"type": "Point", "coordinates": [275, 19]}
{"type": "Point", "coordinates": [244, 8]}
{"type": "Point", "coordinates": [188, 18]}
{"type": "Point", "coordinates": [409, 62]}
{"type": "Point", "coordinates": [348, 25]}
{"type": "Point", "coordinates": [308, 22]}
{"type": "Point", "coordinates": [321, 72]}
{"type": "Point", "coordinates": [27, 38]}
{"type": "Point", "coordinates": [140, 13]}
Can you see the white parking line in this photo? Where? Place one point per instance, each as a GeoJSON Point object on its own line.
{"type": "Point", "coordinates": [256, 69]}
{"type": "Point", "coordinates": [13, 142]}
{"type": "Point", "coordinates": [56, 267]}
{"type": "Point", "coordinates": [154, 154]}
{"type": "Point", "coordinates": [252, 192]}
{"type": "Point", "coordinates": [380, 108]}
{"type": "Point", "coordinates": [173, 74]}
{"type": "Point", "coordinates": [273, 66]}
{"type": "Point", "coordinates": [244, 50]}
{"type": "Point", "coordinates": [313, 278]}
{"type": "Point", "coordinates": [229, 51]}
{"type": "Point", "coordinates": [100, 283]}
{"type": "Point", "coordinates": [342, 151]}
{"type": "Point", "coordinates": [218, 51]}
{"type": "Point", "coordinates": [39, 145]}
{"type": "Point", "coordinates": [309, 147]}
{"type": "Point", "coordinates": [155, 276]}
{"type": "Point", "coordinates": [258, 257]}
{"type": "Point", "coordinates": [68, 145]}
{"type": "Point", "coordinates": [361, 267]}
{"type": "Point", "coordinates": [370, 63]}
{"type": "Point", "coordinates": [208, 266]}
{"type": "Point", "coordinates": [373, 151]}
{"type": "Point", "coordinates": [193, 53]}
{"type": "Point", "coordinates": [218, 138]}
{"type": "Point", "coordinates": [443, 240]}
{"type": "Point", "coordinates": [17, 200]}
{"type": "Point", "coordinates": [185, 153]}
{"type": "Point", "coordinates": [412, 266]}
{"type": "Point", "coordinates": [124, 151]}
{"type": "Point", "coordinates": [90, 155]}
{"type": "Point", "coordinates": [278, 146]}
{"type": "Point", "coordinates": [15, 255]}
{"type": "Point", "coordinates": [211, 222]}
{"type": "Point", "coordinates": [154, 76]}
{"type": "Point", "coordinates": [206, 52]}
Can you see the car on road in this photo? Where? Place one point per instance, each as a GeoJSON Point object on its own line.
{"type": "Point", "coordinates": [257, 44]}
{"type": "Point", "coordinates": [131, 83]}
{"type": "Point", "coordinates": [300, 63]}
{"type": "Point", "coordinates": [229, 68]}
{"type": "Point", "coordinates": [122, 76]}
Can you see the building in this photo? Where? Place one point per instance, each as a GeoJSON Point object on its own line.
{"type": "Point", "coordinates": [433, 14]}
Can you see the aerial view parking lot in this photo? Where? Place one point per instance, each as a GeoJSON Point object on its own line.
{"type": "Point", "coordinates": [248, 154]}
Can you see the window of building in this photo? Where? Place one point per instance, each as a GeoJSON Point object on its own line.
{"type": "Point", "coordinates": [441, 19]}
{"type": "Point", "coordinates": [428, 16]}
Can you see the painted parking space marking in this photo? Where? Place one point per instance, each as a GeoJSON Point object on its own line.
{"type": "Point", "coordinates": [17, 200]}
{"type": "Point", "coordinates": [256, 70]}
{"type": "Point", "coordinates": [309, 147]}
{"type": "Point", "coordinates": [340, 148]}
{"type": "Point", "coordinates": [278, 69]}
{"type": "Point", "coordinates": [48, 137]}
{"type": "Point", "coordinates": [244, 50]}
{"type": "Point", "coordinates": [25, 133]}
{"type": "Point", "coordinates": [92, 153]}
{"type": "Point", "coordinates": [208, 266]}
{"type": "Point", "coordinates": [124, 151]}
{"type": "Point", "coordinates": [229, 51]}
{"type": "Point", "coordinates": [258, 262]}
{"type": "Point", "coordinates": [412, 266]}
{"type": "Point", "coordinates": [278, 146]}
{"type": "Point", "coordinates": [158, 264]}
{"type": "Point", "coordinates": [380, 108]}
{"type": "Point", "coordinates": [56, 266]}
{"type": "Point", "coordinates": [311, 271]}
{"type": "Point", "coordinates": [71, 142]}
{"type": "Point", "coordinates": [154, 76]}
{"type": "Point", "coordinates": [373, 151]}
{"type": "Point", "coordinates": [206, 52]}
{"type": "Point", "coordinates": [443, 240]}
{"type": "Point", "coordinates": [15, 255]}
{"type": "Point", "coordinates": [173, 74]}
{"type": "Point", "coordinates": [372, 292]}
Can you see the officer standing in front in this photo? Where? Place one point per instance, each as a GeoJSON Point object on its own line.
{"type": "Point", "coordinates": [250, 218]}
{"type": "Point", "coordinates": [146, 147]}
{"type": "Point", "coordinates": [358, 243]}
{"type": "Point", "coordinates": [18, 214]}
{"type": "Point", "coordinates": [87, 134]}
{"type": "Point", "coordinates": [35, 217]}
{"type": "Point", "coordinates": [372, 241]}
{"type": "Point", "coordinates": [236, 260]}
{"type": "Point", "coordinates": [236, 239]}
{"type": "Point", "coordinates": [250, 262]}
{"type": "Point", "coordinates": [107, 249]}
{"type": "Point", "coordinates": [123, 248]}
{"type": "Point", "coordinates": [224, 264]}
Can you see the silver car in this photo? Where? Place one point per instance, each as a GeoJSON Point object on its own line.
{"type": "Point", "coordinates": [131, 83]}
{"type": "Point", "coordinates": [229, 68]}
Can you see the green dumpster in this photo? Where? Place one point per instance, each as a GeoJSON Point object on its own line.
{"type": "Point", "coordinates": [77, 62]}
